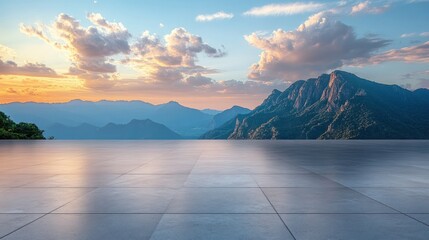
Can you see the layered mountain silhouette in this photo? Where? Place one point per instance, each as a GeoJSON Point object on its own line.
{"type": "Point", "coordinates": [223, 117]}
{"type": "Point", "coordinates": [210, 111]}
{"type": "Point", "coordinates": [77, 119]}
{"type": "Point", "coordinates": [335, 106]}
{"type": "Point", "coordinates": [135, 129]}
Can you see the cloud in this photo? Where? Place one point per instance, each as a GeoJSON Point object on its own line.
{"type": "Point", "coordinates": [161, 25]}
{"type": "Point", "coordinates": [421, 79]}
{"type": "Point", "coordinates": [318, 45]}
{"type": "Point", "coordinates": [6, 52]}
{"type": "Point", "coordinates": [37, 31]}
{"type": "Point", "coordinates": [415, 1]}
{"type": "Point", "coordinates": [29, 69]}
{"type": "Point", "coordinates": [214, 16]}
{"type": "Point", "coordinates": [200, 86]}
{"type": "Point", "coordinates": [412, 54]}
{"type": "Point", "coordinates": [166, 64]}
{"type": "Point", "coordinates": [169, 65]}
{"type": "Point", "coordinates": [284, 9]}
{"type": "Point", "coordinates": [12, 91]}
{"type": "Point", "coordinates": [198, 80]}
{"type": "Point", "coordinates": [89, 48]}
{"type": "Point", "coordinates": [407, 35]}
{"type": "Point", "coordinates": [172, 58]}
{"type": "Point", "coordinates": [366, 7]}
{"type": "Point", "coordinates": [249, 87]}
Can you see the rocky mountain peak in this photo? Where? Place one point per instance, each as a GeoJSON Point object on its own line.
{"type": "Point", "coordinates": [339, 89]}
{"type": "Point", "coordinates": [272, 98]}
{"type": "Point", "coordinates": [335, 106]}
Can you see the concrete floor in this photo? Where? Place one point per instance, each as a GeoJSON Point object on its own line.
{"type": "Point", "coordinates": [214, 190]}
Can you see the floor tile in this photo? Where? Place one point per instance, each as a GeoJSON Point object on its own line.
{"type": "Point", "coordinates": [8, 180]}
{"type": "Point", "coordinates": [165, 168]}
{"type": "Point", "coordinates": [121, 200]}
{"type": "Point", "coordinates": [220, 181]}
{"type": "Point", "coordinates": [220, 200]}
{"type": "Point", "coordinates": [210, 189]}
{"type": "Point", "coordinates": [247, 169]}
{"type": "Point", "coordinates": [37, 200]}
{"type": "Point", "coordinates": [421, 217]}
{"type": "Point", "coordinates": [322, 200]}
{"type": "Point", "coordinates": [89, 227]}
{"type": "Point", "coordinates": [11, 222]}
{"type": "Point", "coordinates": [221, 226]}
{"type": "Point", "coordinates": [145, 180]}
{"type": "Point", "coordinates": [376, 180]}
{"type": "Point", "coordinates": [355, 226]}
{"type": "Point", "coordinates": [83, 180]}
{"type": "Point", "coordinates": [406, 200]}
{"type": "Point", "coordinates": [294, 180]}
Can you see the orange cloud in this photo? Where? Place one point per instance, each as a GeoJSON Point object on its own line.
{"type": "Point", "coordinates": [318, 45]}
{"type": "Point", "coordinates": [173, 59]}
{"type": "Point", "coordinates": [29, 69]}
{"type": "Point", "coordinates": [417, 53]}
{"type": "Point", "coordinates": [89, 48]}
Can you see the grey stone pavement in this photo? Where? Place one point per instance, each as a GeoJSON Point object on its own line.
{"type": "Point", "coordinates": [214, 190]}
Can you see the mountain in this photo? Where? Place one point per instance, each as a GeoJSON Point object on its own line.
{"type": "Point", "coordinates": [76, 112]}
{"type": "Point", "coordinates": [222, 117]}
{"type": "Point", "coordinates": [210, 111]}
{"type": "Point", "coordinates": [11, 130]}
{"type": "Point", "coordinates": [186, 121]}
{"type": "Point", "coordinates": [335, 106]}
{"type": "Point", "coordinates": [135, 129]}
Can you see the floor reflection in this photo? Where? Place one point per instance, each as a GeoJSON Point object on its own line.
{"type": "Point", "coordinates": [214, 189]}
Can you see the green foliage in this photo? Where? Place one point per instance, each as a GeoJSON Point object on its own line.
{"type": "Point", "coordinates": [11, 130]}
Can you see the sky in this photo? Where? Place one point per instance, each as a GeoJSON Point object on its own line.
{"type": "Point", "coordinates": [203, 54]}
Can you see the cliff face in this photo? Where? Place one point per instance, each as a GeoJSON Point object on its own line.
{"type": "Point", "coordinates": [335, 106]}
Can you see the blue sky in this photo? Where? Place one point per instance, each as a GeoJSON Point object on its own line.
{"type": "Point", "coordinates": [400, 24]}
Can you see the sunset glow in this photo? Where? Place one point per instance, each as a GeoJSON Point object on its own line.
{"type": "Point", "coordinates": [201, 55]}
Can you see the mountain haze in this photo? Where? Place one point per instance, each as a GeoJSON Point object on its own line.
{"type": "Point", "coordinates": [184, 120]}
{"type": "Point", "coordinates": [135, 129]}
{"type": "Point", "coordinates": [210, 111]}
{"type": "Point", "coordinates": [79, 118]}
{"type": "Point", "coordinates": [222, 117]}
{"type": "Point", "coordinates": [335, 106]}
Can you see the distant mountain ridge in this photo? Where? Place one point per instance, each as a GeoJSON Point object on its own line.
{"type": "Point", "coordinates": [135, 129]}
{"type": "Point", "coordinates": [335, 106]}
{"type": "Point", "coordinates": [188, 122]}
{"type": "Point", "coordinates": [222, 117]}
{"type": "Point", "coordinates": [211, 111]}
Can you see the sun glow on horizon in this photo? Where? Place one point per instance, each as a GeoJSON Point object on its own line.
{"type": "Point", "coordinates": [201, 56]}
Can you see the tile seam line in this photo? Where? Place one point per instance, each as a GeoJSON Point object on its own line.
{"type": "Point", "coordinates": [43, 215]}
{"type": "Point", "coordinates": [176, 190]}
{"type": "Point", "coordinates": [278, 215]}
{"type": "Point", "coordinates": [354, 190]}
{"type": "Point", "coordinates": [122, 174]}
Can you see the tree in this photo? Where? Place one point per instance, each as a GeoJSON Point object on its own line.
{"type": "Point", "coordinates": [11, 130]}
